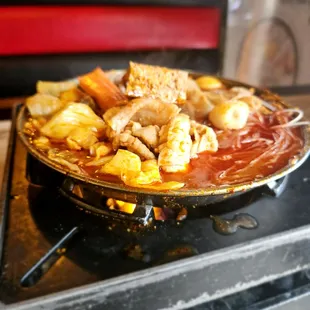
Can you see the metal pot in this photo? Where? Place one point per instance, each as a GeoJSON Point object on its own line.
{"type": "Point", "coordinates": [175, 198]}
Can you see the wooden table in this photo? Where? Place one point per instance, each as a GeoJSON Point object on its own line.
{"type": "Point", "coordinates": [4, 137]}
{"type": "Point", "coordinates": [302, 101]}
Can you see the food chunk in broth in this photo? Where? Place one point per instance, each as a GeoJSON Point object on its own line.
{"type": "Point", "coordinates": [156, 82]}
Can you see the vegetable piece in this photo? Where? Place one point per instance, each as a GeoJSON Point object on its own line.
{"type": "Point", "coordinates": [156, 82]}
{"type": "Point", "coordinates": [98, 85]}
{"type": "Point", "coordinates": [150, 178]}
{"type": "Point", "coordinates": [77, 95]}
{"type": "Point", "coordinates": [100, 149]}
{"type": "Point", "coordinates": [73, 116]}
{"type": "Point", "coordinates": [84, 137]}
{"type": "Point", "coordinates": [64, 158]}
{"type": "Point", "coordinates": [208, 82]}
{"type": "Point", "coordinates": [101, 161]}
{"type": "Point", "coordinates": [151, 166]}
{"type": "Point", "coordinates": [128, 167]}
{"type": "Point", "coordinates": [73, 145]}
{"type": "Point", "coordinates": [71, 95]}
{"type": "Point", "coordinates": [33, 125]}
{"type": "Point", "coordinates": [230, 115]}
{"type": "Point", "coordinates": [55, 88]}
{"type": "Point", "coordinates": [124, 164]}
{"type": "Point", "coordinates": [149, 174]}
{"type": "Point", "coordinates": [42, 143]}
{"type": "Point", "coordinates": [43, 105]}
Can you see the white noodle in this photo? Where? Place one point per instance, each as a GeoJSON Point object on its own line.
{"type": "Point", "coordinates": [269, 106]}
{"type": "Point", "coordinates": [295, 121]}
{"type": "Point", "coordinates": [305, 123]}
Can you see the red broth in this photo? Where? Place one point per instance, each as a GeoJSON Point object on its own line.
{"type": "Point", "coordinates": [256, 151]}
{"type": "Point", "coordinates": [245, 155]}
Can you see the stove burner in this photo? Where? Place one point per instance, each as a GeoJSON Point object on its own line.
{"type": "Point", "coordinates": [91, 199]}
{"type": "Point", "coordinates": [131, 248]}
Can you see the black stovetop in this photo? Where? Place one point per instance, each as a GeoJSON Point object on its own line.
{"type": "Point", "coordinates": [39, 216]}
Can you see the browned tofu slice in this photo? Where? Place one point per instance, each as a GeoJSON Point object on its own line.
{"type": "Point", "coordinates": [155, 82]}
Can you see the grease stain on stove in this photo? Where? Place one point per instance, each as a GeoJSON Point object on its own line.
{"type": "Point", "coordinates": [176, 253]}
{"type": "Point", "coordinates": [230, 226]}
{"type": "Point", "coordinates": [135, 252]}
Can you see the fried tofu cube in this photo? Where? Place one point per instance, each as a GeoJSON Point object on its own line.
{"type": "Point", "coordinates": [156, 82]}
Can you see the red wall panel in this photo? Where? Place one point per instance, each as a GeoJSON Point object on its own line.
{"type": "Point", "coordinates": [43, 30]}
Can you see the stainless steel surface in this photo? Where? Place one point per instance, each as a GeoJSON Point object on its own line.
{"type": "Point", "coordinates": [267, 42]}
